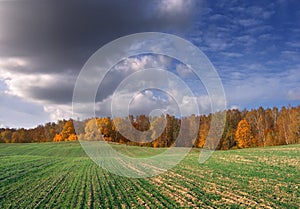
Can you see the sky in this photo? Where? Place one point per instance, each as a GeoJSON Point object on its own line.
{"type": "Point", "coordinates": [253, 45]}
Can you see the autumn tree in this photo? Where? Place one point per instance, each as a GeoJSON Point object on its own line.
{"type": "Point", "coordinates": [19, 136]}
{"type": "Point", "coordinates": [119, 129]}
{"type": "Point", "coordinates": [50, 131]}
{"type": "Point", "coordinates": [295, 125]}
{"type": "Point", "coordinates": [259, 127]}
{"type": "Point", "coordinates": [233, 117]}
{"type": "Point", "coordinates": [57, 138]}
{"type": "Point", "coordinates": [283, 123]}
{"type": "Point", "coordinates": [269, 127]}
{"type": "Point", "coordinates": [105, 127]}
{"type": "Point", "coordinates": [6, 135]}
{"type": "Point", "coordinates": [171, 130]}
{"type": "Point", "coordinates": [243, 135]}
{"type": "Point", "coordinates": [91, 131]}
{"type": "Point", "coordinates": [203, 131]}
{"type": "Point", "coordinates": [67, 133]}
{"type": "Point", "coordinates": [289, 125]}
{"type": "Point", "coordinates": [157, 129]}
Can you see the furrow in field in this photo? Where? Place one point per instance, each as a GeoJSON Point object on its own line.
{"type": "Point", "coordinates": [156, 193]}
{"type": "Point", "coordinates": [121, 184]}
{"type": "Point", "coordinates": [63, 193]}
{"type": "Point", "coordinates": [147, 195]}
{"type": "Point", "coordinates": [32, 195]}
{"type": "Point", "coordinates": [91, 198]}
{"type": "Point", "coordinates": [102, 195]}
{"type": "Point", "coordinates": [80, 197]}
{"type": "Point", "coordinates": [107, 188]}
{"type": "Point", "coordinates": [180, 194]}
{"type": "Point", "coordinates": [115, 198]}
{"type": "Point", "coordinates": [196, 193]}
{"type": "Point", "coordinates": [139, 195]}
{"type": "Point", "coordinates": [123, 198]}
{"type": "Point", "coordinates": [10, 165]}
{"type": "Point", "coordinates": [53, 193]}
{"type": "Point", "coordinates": [221, 188]}
{"type": "Point", "coordinates": [22, 171]}
{"type": "Point", "coordinates": [142, 200]}
{"type": "Point", "coordinates": [21, 186]}
{"type": "Point", "coordinates": [95, 187]}
{"type": "Point", "coordinates": [71, 191]}
{"type": "Point", "coordinates": [133, 168]}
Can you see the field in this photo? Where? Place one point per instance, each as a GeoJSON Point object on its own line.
{"type": "Point", "coordinates": [60, 175]}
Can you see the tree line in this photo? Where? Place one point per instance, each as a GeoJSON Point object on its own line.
{"type": "Point", "coordinates": [247, 128]}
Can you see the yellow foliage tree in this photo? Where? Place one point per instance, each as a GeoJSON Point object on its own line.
{"type": "Point", "coordinates": [72, 137]}
{"type": "Point", "coordinates": [67, 134]}
{"type": "Point", "coordinates": [155, 144]}
{"type": "Point", "coordinates": [91, 130]}
{"type": "Point", "coordinates": [104, 125]}
{"type": "Point", "coordinates": [243, 134]}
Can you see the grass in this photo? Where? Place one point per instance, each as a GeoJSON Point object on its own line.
{"type": "Point", "coordinates": [61, 175]}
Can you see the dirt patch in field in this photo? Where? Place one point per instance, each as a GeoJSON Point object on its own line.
{"type": "Point", "coordinates": [238, 197]}
{"type": "Point", "coordinates": [142, 202]}
{"type": "Point", "coordinates": [154, 168]}
{"type": "Point", "coordinates": [279, 161]}
{"type": "Point", "coordinates": [236, 159]}
{"type": "Point", "coordinates": [132, 168]}
{"type": "Point", "coordinates": [222, 188]}
{"type": "Point", "coordinates": [284, 149]}
{"type": "Point", "coordinates": [177, 192]}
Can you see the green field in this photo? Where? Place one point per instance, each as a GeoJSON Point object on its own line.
{"type": "Point", "coordinates": [60, 175]}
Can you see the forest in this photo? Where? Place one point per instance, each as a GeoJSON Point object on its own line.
{"type": "Point", "coordinates": [248, 128]}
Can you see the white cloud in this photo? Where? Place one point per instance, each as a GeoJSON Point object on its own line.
{"type": "Point", "coordinates": [263, 13]}
{"type": "Point", "coordinates": [234, 107]}
{"type": "Point", "coordinates": [185, 71]}
{"type": "Point", "coordinates": [13, 62]}
{"type": "Point", "coordinates": [33, 88]}
{"type": "Point", "coordinates": [290, 55]}
{"type": "Point", "coordinates": [141, 103]}
{"type": "Point", "coordinates": [267, 37]}
{"type": "Point", "coordinates": [294, 94]}
{"type": "Point", "coordinates": [293, 44]}
{"type": "Point", "coordinates": [16, 112]}
{"type": "Point", "coordinates": [245, 40]}
{"type": "Point", "coordinates": [254, 85]}
{"type": "Point", "coordinates": [249, 22]}
{"type": "Point", "coordinates": [133, 64]}
{"type": "Point", "coordinates": [9, 64]}
{"type": "Point", "coordinates": [147, 101]}
{"type": "Point", "coordinates": [259, 29]}
{"type": "Point", "coordinates": [217, 17]}
{"type": "Point", "coordinates": [232, 54]}
{"type": "Point", "coordinates": [58, 112]}
{"type": "Point", "coordinates": [21, 105]}
{"type": "Point", "coordinates": [217, 44]}
{"type": "Point", "coordinates": [176, 6]}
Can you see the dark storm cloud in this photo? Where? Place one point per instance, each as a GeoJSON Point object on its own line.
{"type": "Point", "coordinates": [58, 94]}
{"type": "Point", "coordinates": [62, 34]}
{"type": "Point", "coordinates": [58, 36]}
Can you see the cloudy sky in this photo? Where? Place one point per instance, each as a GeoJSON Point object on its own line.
{"type": "Point", "coordinates": [254, 46]}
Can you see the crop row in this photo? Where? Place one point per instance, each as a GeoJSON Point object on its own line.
{"type": "Point", "coordinates": [31, 181]}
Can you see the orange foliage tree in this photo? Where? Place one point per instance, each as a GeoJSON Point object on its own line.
{"type": "Point", "coordinates": [243, 135]}
{"type": "Point", "coordinates": [67, 133]}
{"type": "Point", "coordinates": [57, 138]}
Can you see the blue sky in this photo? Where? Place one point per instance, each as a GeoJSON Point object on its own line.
{"type": "Point", "coordinates": [254, 46]}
